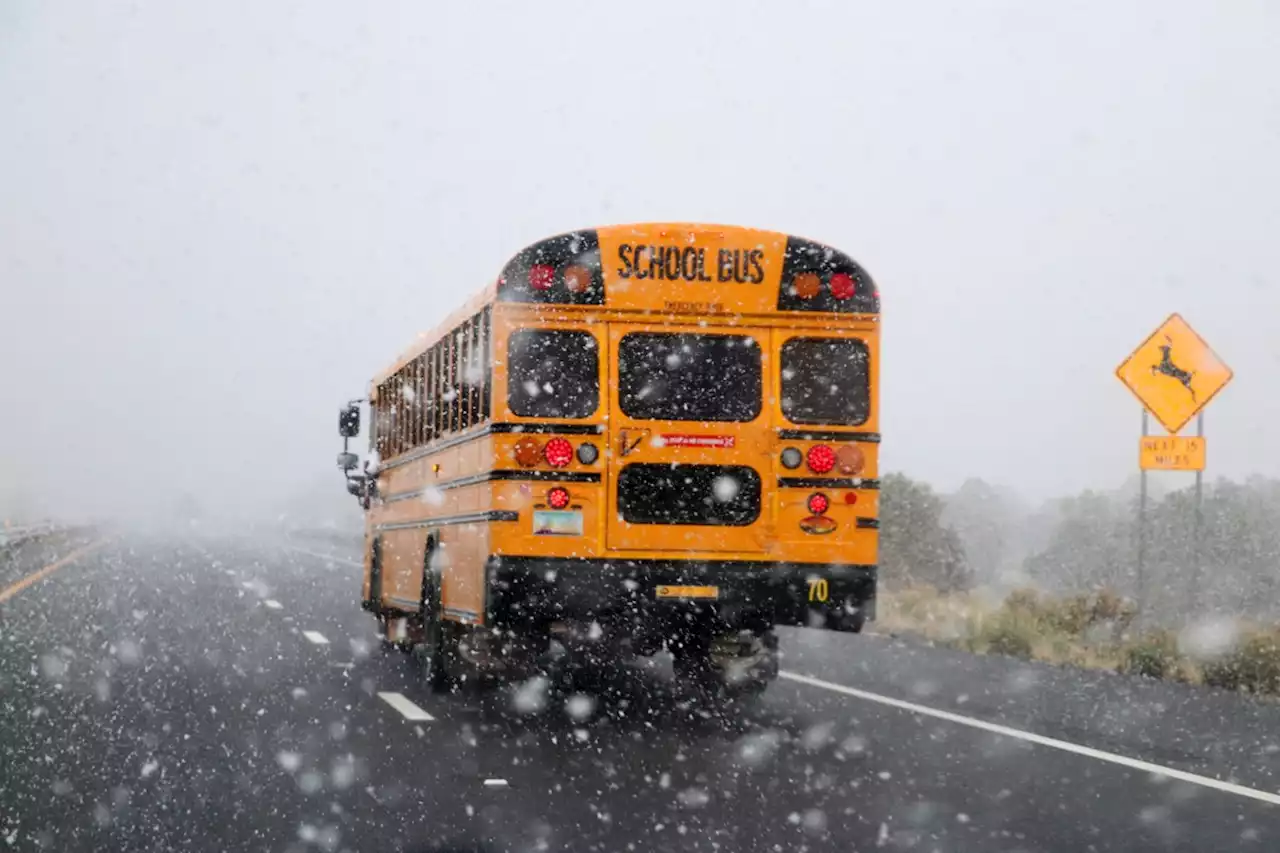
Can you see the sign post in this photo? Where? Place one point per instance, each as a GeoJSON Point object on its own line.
{"type": "Point", "coordinates": [1142, 526]}
{"type": "Point", "coordinates": [1198, 573]}
{"type": "Point", "coordinates": [1174, 374]}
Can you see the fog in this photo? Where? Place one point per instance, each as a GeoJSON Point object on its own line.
{"type": "Point", "coordinates": [218, 221]}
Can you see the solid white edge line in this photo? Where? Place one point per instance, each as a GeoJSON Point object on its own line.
{"type": "Point", "coordinates": [329, 557]}
{"type": "Point", "coordinates": [407, 709]}
{"type": "Point", "coordinates": [1030, 737]}
{"type": "Point", "coordinates": [316, 637]}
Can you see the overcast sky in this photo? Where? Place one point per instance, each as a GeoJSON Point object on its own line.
{"type": "Point", "coordinates": [218, 220]}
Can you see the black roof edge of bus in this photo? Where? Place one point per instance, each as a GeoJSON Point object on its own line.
{"type": "Point", "coordinates": [572, 249]}
{"type": "Point", "coordinates": [810, 256]}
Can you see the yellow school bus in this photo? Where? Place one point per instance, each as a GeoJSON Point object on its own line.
{"type": "Point", "coordinates": [637, 437]}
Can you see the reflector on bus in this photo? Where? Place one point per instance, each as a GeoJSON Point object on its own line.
{"type": "Point", "coordinates": [819, 278]}
{"type": "Point", "coordinates": [562, 270]}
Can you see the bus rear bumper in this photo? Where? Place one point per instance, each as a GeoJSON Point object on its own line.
{"type": "Point", "coordinates": [535, 589]}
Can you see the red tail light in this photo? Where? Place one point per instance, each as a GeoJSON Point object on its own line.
{"type": "Point", "coordinates": [558, 498]}
{"type": "Point", "coordinates": [821, 459]}
{"type": "Point", "coordinates": [818, 503]}
{"type": "Point", "coordinates": [559, 452]}
{"type": "Point", "coordinates": [842, 285]}
{"type": "Point", "coordinates": [541, 276]}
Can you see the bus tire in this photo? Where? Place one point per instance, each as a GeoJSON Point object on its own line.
{"type": "Point", "coordinates": [435, 651]}
{"type": "Point", "coordinates": [384, 645]}
{"type": "Point", "coordinates": [848, 618]}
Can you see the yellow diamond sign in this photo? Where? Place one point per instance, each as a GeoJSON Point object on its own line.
{"type": "Point", "coordinates": [1174, 373]}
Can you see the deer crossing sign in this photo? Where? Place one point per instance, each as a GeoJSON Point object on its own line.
{"type": "Point", "coordinates": [1174, 374]}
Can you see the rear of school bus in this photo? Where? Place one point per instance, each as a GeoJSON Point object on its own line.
{"type": "Point", "coordinates": [692, 411]}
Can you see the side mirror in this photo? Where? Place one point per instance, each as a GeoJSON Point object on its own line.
{"type": "Point", "coordinates": [349, 421]}
{"type": "Point", "coordinates": [355, 487]}
{"type": "Point", "coordinates": [348, 461]}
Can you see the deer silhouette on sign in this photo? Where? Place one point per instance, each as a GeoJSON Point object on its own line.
{"type": "Point", "coordinates": [1168, 368]}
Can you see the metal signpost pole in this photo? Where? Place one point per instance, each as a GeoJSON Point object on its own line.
{"type": "Point", "coordinates": [1142, 530]}
{"type": "Point", "coordinates": [1198, 548]}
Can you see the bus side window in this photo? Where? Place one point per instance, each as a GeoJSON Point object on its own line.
{"type": "Point", "coordinates": [379, 431]}
{"type": "Point", "coordinates": [486, 365]}
{"type": "Point", "coordinates": [429, 395]}
{"type": "Point", "coordinates": [474, 376]}
{"type": "Point", "coordinates": [416, 438]}
{"type": "Point", "coordinates": [438, 395]}
{"type": "Point", "coordinates": [453, 383]}
{"type": "Point", "coordinates": [393, 416]}
{"type": "Point", "coordinates": [464, 391]}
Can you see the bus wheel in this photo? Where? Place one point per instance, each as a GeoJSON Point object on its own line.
{"type": "Point", "coordinates": [848, 617]}
{"type": "Point", "coordinates": [732, 666]}
{"type": "Point", "coordinates": [390, 637]}
{"type": "Point", "coordinates": [436, 653]}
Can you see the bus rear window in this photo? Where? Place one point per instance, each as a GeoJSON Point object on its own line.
{"type": "Point", "coordinates": [826, 381]}
{"type": "Point", "coordinates": [553, 373]}
{"type": "Point", "coordinates": [689, 377]}
{"type": "Point", "coordinates": [727, 495]}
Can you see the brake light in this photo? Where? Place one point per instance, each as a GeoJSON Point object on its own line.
{"type": "Point", "coordinates": [527, 452]}
{"type": "Point", "coordinates": [542, 276]}
{"type": "Point", "coordinates": [818, 503]}
{"type": "Point", "coordinates": [806, 285]}
{"type": "Point", "coordinates": [842, 285]}
{"type": "Point", "coordinates": [821, 459]}
{"type": "Point", "coordinates": [558, 498]}
{"type": "Point", "coordinates": [558, 452]}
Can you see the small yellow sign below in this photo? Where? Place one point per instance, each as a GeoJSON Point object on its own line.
{"type": "Point", "coordinates": [688, 592]}
{"type": "Point", "coordinates": [1174, 373]}
{"type": "Point", "coordinates": [1171, 453]}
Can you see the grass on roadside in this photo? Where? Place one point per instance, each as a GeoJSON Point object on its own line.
{"type": "Point", "coordinates": [1090, 631]}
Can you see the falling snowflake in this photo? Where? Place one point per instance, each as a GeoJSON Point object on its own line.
{"type": "Point", "coordinates": [725, 488]}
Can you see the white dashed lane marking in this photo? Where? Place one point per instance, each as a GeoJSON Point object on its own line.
{"type": "Point", "coordinates": [272, 604]}
{"type": "Point", "coordinates": [407, 709]}
{"type": "Point", "coordinates": [316, 637]}
{"type": "Point", "coordinates": [329, 557]}
{"type": "Point", "coordinates": [495, 783]}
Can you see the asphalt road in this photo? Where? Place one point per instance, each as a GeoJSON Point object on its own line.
{"type": "Point", "coordinates": [201, 693]}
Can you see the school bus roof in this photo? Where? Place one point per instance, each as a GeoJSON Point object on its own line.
{"type": "Point", "coordinates": [426, 340]}
{"type": "Point", "coordinates": [777, 271]}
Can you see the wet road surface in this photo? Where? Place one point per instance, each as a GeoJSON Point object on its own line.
{"type": "Point", "coordinates": [205, 693]}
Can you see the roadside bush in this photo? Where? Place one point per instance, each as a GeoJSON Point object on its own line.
{"type": "Point", "coordinates": [1076, 616]}
{"type": "Point", "coordinates": [1254, 665]}
{"type": "Point", "coordinates": [923, 610]}
{"type": "Point", "coordinates": [1155, 655]}
{"type": "Point", "coordinates": [1007, 632]}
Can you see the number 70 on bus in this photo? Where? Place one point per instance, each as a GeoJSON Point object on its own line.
{"type": "Point", "coordinates": [819, 589]}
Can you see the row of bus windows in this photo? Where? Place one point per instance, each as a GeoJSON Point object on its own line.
{"type": "Point", "coordinates": [445, 390]}
{"type": "Point", "coordinates": [556, 374]}
{"type": "Point", "coordinates": [688, 377]}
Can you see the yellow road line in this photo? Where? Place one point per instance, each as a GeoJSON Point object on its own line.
{"type": "Point", "coordinates": [36, 577]}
